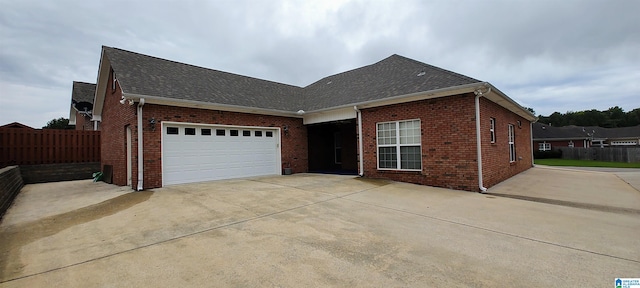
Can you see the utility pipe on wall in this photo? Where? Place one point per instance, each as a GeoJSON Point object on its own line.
{"type": "Point", "coordinates": [140, 146]}
{"type": "Point", "coordinates": [479, 94]}
{"type": "Point", "coordinates": [360, 156]}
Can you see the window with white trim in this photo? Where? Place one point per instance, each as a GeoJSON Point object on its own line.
{"type": "Point", "coordinates": [399, 145]}
{"type": "Point", "coordinates": [512, 144]}
{"type": "Point", "coordinates": [570, 144]}
{"type": "Point", "coordinates": [492, 129]}
{"type": "Point", "coordinates": [544, 146]}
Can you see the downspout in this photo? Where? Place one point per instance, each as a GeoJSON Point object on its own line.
{"type": "Point", "coordinates": [360, 152]}
{"type": "Point", "coordinates": [140, 146]}
{"type": "Point", "coordinates": [479, 94]}
{"type": "Point", "coordinates": [531, 134]}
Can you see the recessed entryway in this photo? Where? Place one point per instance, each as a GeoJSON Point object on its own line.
{"type": "Point", "coordinates": [333, 147]}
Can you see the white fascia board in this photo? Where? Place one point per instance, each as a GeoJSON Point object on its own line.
{"type": "Point", "coordinates": [506, 102]}
{"type": "Point", "coordinates": [330, 115]}
{"type": "Point", "coordinates": [101, 87]}
{"type": "Point", "coordinates": [208, 106]}
{"type": "Point", "coordinates": [72, 115]}
{"type": "Point", "coordinates": [449, 91]}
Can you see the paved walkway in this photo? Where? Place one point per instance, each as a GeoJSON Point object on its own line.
{"type": "Point", "coordinates": [309, 230]}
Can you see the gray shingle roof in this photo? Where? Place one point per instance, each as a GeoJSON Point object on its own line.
{"type": "Point", "coordinates": [82, 95]}
{"type": "Point", "coordinates": [147, 75]}
{"type": "Point", "coordinates": [393, 76]}
{"type": "Point", "coordinates": [544, 131]}
{"type": "Point", "coordinates": [83, 92]}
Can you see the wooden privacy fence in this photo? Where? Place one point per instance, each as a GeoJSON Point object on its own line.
{"type": "Point", "coordinates": [611, 154]}
{"type": "Point", "coordinates": [48, 146]}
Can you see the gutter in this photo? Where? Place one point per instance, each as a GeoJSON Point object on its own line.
{"type": "Point", "coordinates": [479, 94]}
{"type": "Point", "coordinates": [140, 147]}
{"type": "Point", "coordinates": [360, 153]}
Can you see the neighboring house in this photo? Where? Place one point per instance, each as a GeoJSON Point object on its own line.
{"type": "Point", "coordinates": [546, 137]}
{"type": "Point", "coordinates": [16, 125]}
{"type": "Point", "coordinates": [164, 122]}
{"type": "Point", "coordinates": [81, 110]}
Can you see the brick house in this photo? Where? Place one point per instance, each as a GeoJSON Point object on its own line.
{"type": "Point", "coordinates": [413, 122]}
{"type": "Point", "coordinates": [547, 137]}
{"type": "Point", "coordinates": [81, 110]}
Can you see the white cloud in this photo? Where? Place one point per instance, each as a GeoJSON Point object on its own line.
{"type": "Point", "coordinates": [551, 56]}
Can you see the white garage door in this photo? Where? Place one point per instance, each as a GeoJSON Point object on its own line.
{"type": "Point", "coordinates": [195, 153]}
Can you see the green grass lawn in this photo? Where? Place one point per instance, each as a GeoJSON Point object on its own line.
{"type": "Point", "coordinates": [585, 163]}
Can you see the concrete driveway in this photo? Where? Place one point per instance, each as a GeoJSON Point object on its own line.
{"type": "Point", "coordinates": [310, 230]}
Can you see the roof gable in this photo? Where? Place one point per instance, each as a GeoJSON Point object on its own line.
{"type": "Point", "coordinates": [393, 76]}
{"type": "Point", "coordinates": [16, 125]}
{"type": "Point", "coordinates": [83, 93]}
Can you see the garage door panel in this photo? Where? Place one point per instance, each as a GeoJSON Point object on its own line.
{"type": "Point", "coordinates": [194, 158]}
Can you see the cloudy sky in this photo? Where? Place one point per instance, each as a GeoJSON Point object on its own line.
{"type": "Point", "coordinates": [547, 55]}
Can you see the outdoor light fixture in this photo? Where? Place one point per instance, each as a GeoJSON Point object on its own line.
{"type": "Point", "coordinates": [286, 129]}
{"type": "Point", "coordinates": [152, 124]}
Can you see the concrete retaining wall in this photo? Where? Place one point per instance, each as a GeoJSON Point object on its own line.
{"type": "Point", "coordinates": [10, 185]}
{"type": "Point", "coordinates": [58, 172]}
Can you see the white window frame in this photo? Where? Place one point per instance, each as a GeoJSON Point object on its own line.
{"type": "Point", "coordinates": [512, 143]}
{"type": "Point", "coordinates": [397, 144]}
{"type": "Point", "coordinates": [492, 129]}
{"type": "Point", "coordinates": [544, 146]}
{"type": "Point", "coordinates": [570, 144]}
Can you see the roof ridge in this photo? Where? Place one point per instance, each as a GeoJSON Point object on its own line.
{"type": "Point", "coordinates": [198, 67]}
{"type": "Point", "coordinates": [82, 82]}
{"type": "Point", "coordinates": [461, 76]}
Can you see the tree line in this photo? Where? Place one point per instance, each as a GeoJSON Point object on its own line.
{"type": "Point", "coordinates": [610, 118]}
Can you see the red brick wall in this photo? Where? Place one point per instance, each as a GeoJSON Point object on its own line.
{"type": "Point", "coordinates": [83, 122]}
{"type": "Point", "coordinates": [293, 148]}
{"type": "Point", "coordinates": [495, 156]}
{"type": "Point", "coordinates": [449, 157]}
{"type": "Point", "coordinates": [115, 118]}
{"type": "Point", "coordinates": [448, 141]}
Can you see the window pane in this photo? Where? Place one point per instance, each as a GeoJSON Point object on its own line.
{"type": "Point", "coordinates": [386, 133]}
{"type": "Point", "coordinates": [205, 132]}
{"type": "Point", "coordinates": [172, 130]}
{"type": "Point", "coordinates": [220, 132]}
{"type": "Point", "coordinates": [246, 133]}
{"type": "Point", "coordinates": [258, 133]}
{"type": "Point", "coordinates": [233, 132]}
{"type": "Point", "coordinates": [410, 157]}
{"type": "Point", "coordinates": [387, 157]}
{"type": "Point", "coordinates": [269, 134]}
{"type": "Point", "coordinates": [410, 132]}
{"type": "Point", "coordinates": [189, 131]}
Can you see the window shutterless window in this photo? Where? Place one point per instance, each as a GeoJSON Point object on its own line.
{"type": "Point", "coordinates": [492, 129]}
{"type": "Point", "coordinates": [205, 132]}
{"type": "Point", "coordinates": [512, 144]}
{"type": "Point", "coordinates": [189, 131]}
{"type": "Point", "coordinates": [220, 132]}
{"type": "Point", "coordinates": [544, 146]}
{"type": "Point", "coordinates": [246, 133]}
{"type": "Point", "coordinates": [233, 132]}
{"type": "Point", "coordinates": [258, 133]}
{"type": "Point", "coordinates": [172, 130]}
{"type": "Point", "coordinates": [399, 145]}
